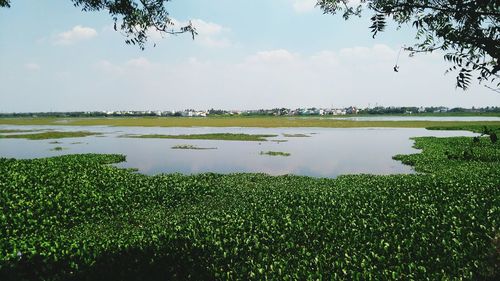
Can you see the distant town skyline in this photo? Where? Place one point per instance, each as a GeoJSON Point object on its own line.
{"type": "Point", "coordinates": [258, 54]}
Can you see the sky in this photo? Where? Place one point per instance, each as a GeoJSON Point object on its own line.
{"type": "Point", "coordinates": [248, 55]}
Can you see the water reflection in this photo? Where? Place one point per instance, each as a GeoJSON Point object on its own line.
{"type": "Point", "coordinates": [326, 153]}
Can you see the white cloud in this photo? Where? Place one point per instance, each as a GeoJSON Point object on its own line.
{"type": "Point", "coordinates": [135, 65]}
{"type": "Point", "coordinates": [273, 56]}
{"type": "Point", "coordinates": [303, 6]}
{"type": "Point", "coordinates": [138, 62]}
{"type": "Point", "coordinates": [32, 66]}
{"type": "Point", "coordinates": [77, 33]}
{"type": "Point", "coordinates": [274, 78]}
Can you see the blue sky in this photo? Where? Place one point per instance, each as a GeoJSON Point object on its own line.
{"type": "Point", "coordinates": [249, 54]}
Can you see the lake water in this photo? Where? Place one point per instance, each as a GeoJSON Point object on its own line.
{"type": "Point", "coordinates": [422, 118]}
{"type": "Point", "coordinates": [327, 152]}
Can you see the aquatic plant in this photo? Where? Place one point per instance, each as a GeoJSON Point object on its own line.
{"type": "Point", "coordinates": [189, 146]}
{"type": "Point", "coordinates": [215, 136]}
{"type": "Point", "coordinates": [50, 135]}
{"type": "Point", "coordinates": [275, 153]}
{"type": "Point", "coordinates": [74, 217]}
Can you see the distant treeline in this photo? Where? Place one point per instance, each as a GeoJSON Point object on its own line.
{"type": "Point", "coordinates": [379, 110]}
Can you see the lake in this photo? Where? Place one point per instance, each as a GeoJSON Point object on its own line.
{"type": "Point", "coordinates": [326, 152]}
{"type": "Point", "coordinates": [422, 118]}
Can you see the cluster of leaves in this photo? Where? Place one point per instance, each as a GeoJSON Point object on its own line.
{"type": "Point", "coordinates": [74, 217]}
{"type": "Point", "coordinates": [468, 31]}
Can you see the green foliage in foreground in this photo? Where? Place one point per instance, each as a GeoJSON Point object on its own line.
{"type": "Point", "coordinates": [74, 217]}
{"type": "Point", "coordinates": [216, 136]}
{"type": "Point", "coordinates": [50, 135]}
{"type": "Point", "coordinates": [275, 153]}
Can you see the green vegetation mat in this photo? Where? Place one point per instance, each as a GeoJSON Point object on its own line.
{"type": "Point", "coordinates": [14, 131]}
{"type": "Point", "coordinates": [189, 146]}
{"type": "Point", "coordinates": [75, 217]}
{"type": "Point", "coordinates": [217, 136]}
{"type": "Point", "coordinates": [296, 135]}
{"type": "Point", "coordinates": [49, 135]}
{"type": "Point", "coordinates": [274, 153]}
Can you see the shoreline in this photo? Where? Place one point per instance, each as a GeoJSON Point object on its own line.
{"type": "Point", "coordinates": [244, 122]}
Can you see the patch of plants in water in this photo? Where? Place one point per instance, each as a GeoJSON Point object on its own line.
{"type": "Point", "coordinates": [50, 135]}
{"type": "Point", "coordinates": [215, 136]}
{"type": "Point", "coordinates": [57, 148]}
{"type": "Point", "coordinates": [5, 131]}
{"type": "Point", "coordinates": [190, 146]}
{"type": "Point", "coordinates": [296, 135]}
{"type": "Point", "coordinates": [75, 217]}
{"type": "Point", "coordinates": [275, 153]}
{"type": "Point", "coordinates": [279, 141]}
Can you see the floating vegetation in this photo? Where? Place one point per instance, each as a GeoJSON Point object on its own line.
{"type": "Point", "coordinates": [279, 141]}
{"type": "Point", "coordinates": [76, 217]}
{"type": "Point", "coordinates": [57, 148]}
{"type": "Point", "coordinates": [296, 135]}
{"type": "Point", "coordinates": [77, 142]}
{"type": "Point", "coordinates": [50, 135]}
{"type": "Point", "coordinates": [275, 153]}
{"type": "Point", "coordinates": [189, 146]}
{"type": "Point", "coordinates": [55, 142]}
{"type": "Point", "coordinates": [217, 136]}
{"type": "Point", "coordinates": [15, 131]}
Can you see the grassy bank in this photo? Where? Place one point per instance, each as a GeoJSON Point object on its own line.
{"type": "Point", "coordinates": [264, 122]}
{"type": "Point", "coordinates": [75, 217]}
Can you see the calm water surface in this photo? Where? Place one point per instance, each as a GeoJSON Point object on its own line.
{"type": "Point", "coordinates": [423, 118]}
{"type": "Point", "coordinates": [327, 152]}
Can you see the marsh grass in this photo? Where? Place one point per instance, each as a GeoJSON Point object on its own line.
{"type": "Point", "coordinates": [264, 122]}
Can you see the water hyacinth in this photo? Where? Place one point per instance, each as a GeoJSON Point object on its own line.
{"type": "Point", "coordinates": [75, 217]}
